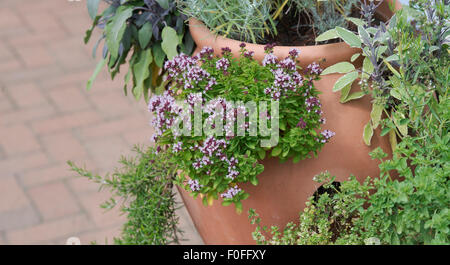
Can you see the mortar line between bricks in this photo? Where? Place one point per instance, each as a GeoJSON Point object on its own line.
{"type": "Point", "coordinates": [61, 23]}
{"type": "Point", "coordinates": [31, 201]}
{"type": "Point", "coordinates": [77, 200]}
{"type": "Point", "coordinates": [8, 97]}
{"type": "Point", "coordinates": [83, 209]}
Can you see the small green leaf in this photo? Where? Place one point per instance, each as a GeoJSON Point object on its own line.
{"type": "Point", "coordinates": [163, 3]}
{"type": "Point", "coordinates": [385, 131]}
{"type": "Point", "coordinates": [327, 35]}
{"type": "Point", "coordinates": [375, 114]}
{"type": "Point", "coordinates": [345, 80]}
{"type": "Point", "coordinates": [170, 42]}
{"type": "Point", "coordinates": [141, 71]}
{"type": "Point", "coordinates": [159, 54]}
{"type": "Point", "coordinates": [363, 33]}
{"type": "Point", "coordinates": [349, 37]}
{"type": "Point", "coordinates": [254, 180]}
{"type": "Point", "coordinates": [238, 207]}
{"type": "Point", "coordinates": [92, 6]}
{"type": "Point", "coordinates": [368, 133]}
{"type": "Point", "coordinates": [395, 72]}
{"type": "Point", "coordinates": [226, 203]}
{"type": "Point", "coordinates": [344, 92]}
{"type": "Point", "coordinates": [356, 21]}
{"type": "Point", "coordinates": [116, 28]}
{"type": "Point", "coordinates": [97, 70]}
{"type": "Point", "coordinates": [367, 68]}
{"type": "Point", "coordinates": [276, 151]}
{"type": "Point", "coordinates": [342, 67]}
{"type": "Point", "coordinates": [145, 34]}
{"type": "Point", "coordinates": [353, 96]}
{"type": "Point", "coordinates": [261, 153]}
{"type": "Point", "coordinates": [354, 57]}
{"type": "Point", "coordinates": [393, 140]}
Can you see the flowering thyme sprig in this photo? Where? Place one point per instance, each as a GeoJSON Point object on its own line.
{"type": "Point", "coordinates": [220, 162]}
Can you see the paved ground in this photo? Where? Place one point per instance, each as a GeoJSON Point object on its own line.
{"type": "Point", "coordinates": [47, 117]}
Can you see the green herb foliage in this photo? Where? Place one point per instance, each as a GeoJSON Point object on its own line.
{"type": "Point", "coordinates": [142, 33]}
{"type": "Point", "coordinates": [407, 69]}
{"type": "Point", "coordinates": [144, 187]}
{"type": "Point", "coordinates": [214, 165]}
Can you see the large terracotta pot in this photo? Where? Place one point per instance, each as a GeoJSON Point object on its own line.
{"type": "Point", "coordinates": [284, 188]}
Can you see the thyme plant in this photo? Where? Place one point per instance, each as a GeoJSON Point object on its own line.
{"type": "Point", "coordinates": [217, 94]}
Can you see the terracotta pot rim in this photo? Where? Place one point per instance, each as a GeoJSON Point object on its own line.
{"type": "Point", "coordinates": [199, 27]}
{"type": "Point", "coordinates": [331, 52]}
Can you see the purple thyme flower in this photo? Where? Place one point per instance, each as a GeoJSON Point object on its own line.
{"type": "Point", "coordinates": [294, 53]}
{"type": "Point", "coordinates": [226, 50]}
{"type": "Point", "coordinates": [212, 81]}
{"type": "Point", "coordinates": [269, 47]}
{"type": "Point", "coordinates": [249, 54]}
{"type": "Point", "coordinates": [301, 124]}
{"type": "Point", "coordinates": [242, 45]}
{"type": "Point", "coordinates": [231, 192]}
{"type": "Point", "coordinates": [194, 185]}
{"type": "Point", "coordinates": [288, 64]}
{"type": "Point", "coordinates": [322, 120]}
{"type": "Point", "coordinates": [206, 53]}
{"type": "Point", "coordinates": [269, 59]}
{"type": "Point", "coordinates": [223, 64]}
{"type": "Point", "coordinates": [327, 134]}
{"type": "Point", "coordinates": [314, 68]}
{"type": "Point", "coordinates": [177, 147]}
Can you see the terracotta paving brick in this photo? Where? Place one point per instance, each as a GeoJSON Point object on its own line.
{"type": "Point", "coordinates": [13, 196]}
{"type": "Point", "coordinates": [63, 147]}
{"type": "Point", "coordinates": [31, 74]}
{"type": "Point", "coordinates": [5, 52]}
{"type": "Point", "coordinates": [22, 163]}
{"type": "Point", "coordinates": [64, 122]}
{"type": "Point", "coordinates": [35, 56]}
{"type": "Point", "coordinates": [107, 151]}
{"type": "Point", "coordinates": [26, 95]}
{"type": "Point", "coordinates": [37, 38]}
{"type": "Point", "coordinates": [105, 100]}
{"type": "Point", "coordinates": [81, 185]}
{"type": "Point", "coordinates": [54, 200]}
{"type": "Point", "coordinates": [69, 99]}
{"type": "Point", "coordinates": [26, 115]}
{"type": "Point", "coordinates": [48, 231]}
{"type": "Point", "coordinates": [9, 65]}
{"type": "Point", "coordinates": [113, 127]}
{"type": "Point", "coordinates": [139, 136]}
{"type": "Point", "coordinates": [102, 218]}
{"type": "Point", "coordinates": [47, 174]}
{"type": "Point", "coordinates": [5, 103]}
{"type": "Point", "coordinates": [9, 19]}
{"type": "Point", "coordinates": [15, 208]}
{"type": "Point", "coordinates": [42, 22]}
{"type": "Point", "coordinates": [27, 141]}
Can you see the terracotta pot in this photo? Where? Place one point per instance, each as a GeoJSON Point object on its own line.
{"type": "Point", "coordinates": [284, 188]}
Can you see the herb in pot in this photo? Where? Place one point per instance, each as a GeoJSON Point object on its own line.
{"type": "Point", "coordinates": [215, 157]}
{"type": "Point", "coordinates": [143, 34]}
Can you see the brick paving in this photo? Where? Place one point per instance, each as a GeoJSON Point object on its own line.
{"type": "Point", "coordinates": [47, 117]}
